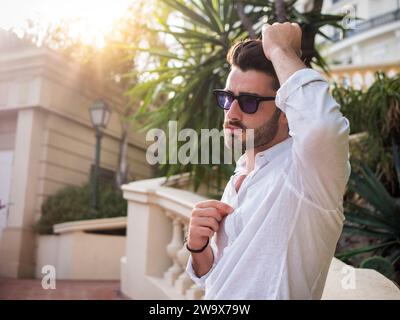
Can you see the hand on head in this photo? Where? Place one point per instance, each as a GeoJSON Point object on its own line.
{"type": "Point", "coordinates": [283, 36]}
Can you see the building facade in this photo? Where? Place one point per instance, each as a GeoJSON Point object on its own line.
{"type": "Point", "coordinates": [47, 141]}
{"type": "Point", "coordinates": [369, 44]}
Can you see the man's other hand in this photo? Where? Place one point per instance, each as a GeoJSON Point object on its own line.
{"type": "Point", "coordinates": [281, 36]}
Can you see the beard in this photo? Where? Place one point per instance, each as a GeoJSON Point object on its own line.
{"type": "Point", "coordinates": [263, 135]}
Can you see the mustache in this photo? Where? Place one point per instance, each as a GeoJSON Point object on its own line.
{"type": "Point", "coordinates": [235, 123]}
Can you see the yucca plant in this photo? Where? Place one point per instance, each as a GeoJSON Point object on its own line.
{"type": "Point", "coordinates": [382, 101]}
{"type": "Point", "coordinates": [376, 112]}
{"type": "Point", "coordinates": [351, 105]}
{"type": "Point", "coordinates": [374, 213]}
{"type": "Point", "coordinates": [382, 118]}
{"type": "Point", "coordinates": [200, 32]}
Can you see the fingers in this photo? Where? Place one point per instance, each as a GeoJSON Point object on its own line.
{"type": "Point", "coordinates": [294, 24]}
{"type": "Point", "coordinates": [209, 222]}
{"type": "Point", "coordinates": [205, 220]}
{"type": "Point", "coordinates": [265, 26]}
{"type": "Point", "coordinates": [281, 35]}
{"type": "Point", "coordinates": [205, 232]}
{"type": "Point", "coordinates": [220, 206]}
{"type": "Point", "coordinates": [208, 213]}
{"type": "Point", "coordinates": [297, 27]}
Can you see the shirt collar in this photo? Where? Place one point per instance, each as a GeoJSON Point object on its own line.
{"type": "Point", "coordinates": [265, 156]}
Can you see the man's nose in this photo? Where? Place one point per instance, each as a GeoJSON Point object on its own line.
{"type": "Point", "coordinates": [234, 111]}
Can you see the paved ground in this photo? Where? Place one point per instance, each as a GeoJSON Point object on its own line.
{"type": "Point", "coordinates": [31, 289]}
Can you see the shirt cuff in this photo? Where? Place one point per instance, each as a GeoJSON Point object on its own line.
{"type": "Point", "coordinates": [200, 281]}
{"type": "Point", "coordinates": [295, 81]}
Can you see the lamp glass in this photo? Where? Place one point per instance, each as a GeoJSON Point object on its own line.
{"type": "Point", "coordinates": [99, 114]}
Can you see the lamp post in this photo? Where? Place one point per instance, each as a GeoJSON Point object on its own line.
{"type": "Point", "coordinates": [99, 115]}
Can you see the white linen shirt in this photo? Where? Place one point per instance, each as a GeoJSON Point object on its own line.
{"type": "Point", "coordinates": [279, 241]}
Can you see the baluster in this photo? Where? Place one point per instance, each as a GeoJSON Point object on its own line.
{"type": "Point", "coordinates": [183, 282]}
{"type": "Point", "coordinates": [172, 249]}
{"type": "Point", "coordinates": [194, 293]}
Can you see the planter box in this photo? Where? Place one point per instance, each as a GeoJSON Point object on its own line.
{"type": "Point", "coordinates": [78, 254]}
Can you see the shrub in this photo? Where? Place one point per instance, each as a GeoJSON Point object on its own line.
{"type": "Point", "coordinates": [73, 203]}
{"type": "Point", "coordinates": [375, 111]}
{"type": "Point", "coordinates": [374, 213]}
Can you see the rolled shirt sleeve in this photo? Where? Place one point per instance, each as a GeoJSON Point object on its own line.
{"type": "Point", "coordinates": [320, 136]}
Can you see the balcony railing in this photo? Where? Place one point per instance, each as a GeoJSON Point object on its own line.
{"type": "Point", "coordinates": [155, 262]}
{"type": "Point", "coordinates": [374, 23]}
{"type": "Point", "coordinates": [361, 77]}
{"type": "Point", "coordinates": [367, 25]}
{"type": "Point", "coordinates": [156, 259]}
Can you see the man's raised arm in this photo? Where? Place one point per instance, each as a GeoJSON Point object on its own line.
{"type": "Point", "coordinates": [320, 132]}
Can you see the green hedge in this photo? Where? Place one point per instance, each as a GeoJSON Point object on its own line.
{"type": "Point", "coordinates": [73, 203]}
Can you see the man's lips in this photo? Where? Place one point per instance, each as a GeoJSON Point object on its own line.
{"type": "Point", "coordinates": [233, 128]}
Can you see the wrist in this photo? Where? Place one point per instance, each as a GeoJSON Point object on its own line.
{"type": "Point", "coordinates": [198, 250]}
{"type": "Point", "coordinates": [280, 52]}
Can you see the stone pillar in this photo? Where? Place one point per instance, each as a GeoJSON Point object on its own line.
{"type": "Point", "coordinates": [17, 251]}
{"type": "Point", "coordinates": [148, 233]}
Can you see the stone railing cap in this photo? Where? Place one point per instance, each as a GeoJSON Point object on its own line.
{"type": "Point", "coordinates": [92, 224]}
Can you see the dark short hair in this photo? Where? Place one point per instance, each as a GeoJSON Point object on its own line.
{"type": "Point", "coordinates": [249, 55]}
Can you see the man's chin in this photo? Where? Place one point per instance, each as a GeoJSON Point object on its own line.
{"type": "Point", "coordinates": [233, 141]}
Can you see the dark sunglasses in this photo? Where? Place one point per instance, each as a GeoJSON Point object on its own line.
{"type": "Point", "coordinates": [248, 103]}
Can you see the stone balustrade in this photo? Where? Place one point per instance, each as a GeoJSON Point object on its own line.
{"type": "Point", "coordinates": [156, 259]}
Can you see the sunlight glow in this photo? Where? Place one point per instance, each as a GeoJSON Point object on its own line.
{"type": "Point", "coordinates": [88, 20]}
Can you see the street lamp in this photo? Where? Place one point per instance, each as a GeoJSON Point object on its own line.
{"type": "Point", "coordinates": [99, 114]}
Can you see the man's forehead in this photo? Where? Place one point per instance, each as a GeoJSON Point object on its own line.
{"type": "Point", "coordinates": [250, 81]}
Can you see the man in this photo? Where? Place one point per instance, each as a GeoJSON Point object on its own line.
{"type": "Point", "coordinates": [274, 232]}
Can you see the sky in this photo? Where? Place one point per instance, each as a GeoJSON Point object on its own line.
{"type": "Point", "coordinates": [98, 15]}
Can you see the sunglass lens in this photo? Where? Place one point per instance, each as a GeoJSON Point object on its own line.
{"type": "Point", "coordinates": [224, 100]}
{"type": "Point", "coordinates": [248, 104]}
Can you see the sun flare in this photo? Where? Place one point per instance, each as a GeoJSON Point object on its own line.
{"type": "Point", "coordinates": [88, 20]}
